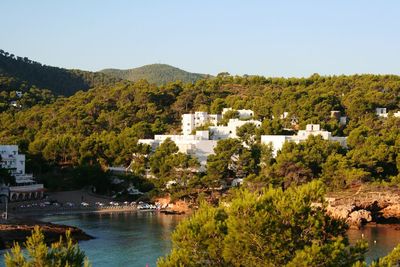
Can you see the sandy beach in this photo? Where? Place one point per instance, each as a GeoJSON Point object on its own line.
{"type": "Point", "coordinates": [66, 202]}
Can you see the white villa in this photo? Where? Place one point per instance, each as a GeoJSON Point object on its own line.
{"type": "Point", "coordinates": [277, 141]}
{"type": "Point", "coordinates": [198, 145]}
{"type": "Point", "coordinates": [201, 144]}
{"type": "Point", "coordinates": [25, 187]}
{"type": "Point", "coordinates": [229, 131]}
{"type": "Point", "coordinates": [381, 112]}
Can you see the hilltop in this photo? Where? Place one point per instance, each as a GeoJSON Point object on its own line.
{"type": "Point", "coordinates": [155, 73]}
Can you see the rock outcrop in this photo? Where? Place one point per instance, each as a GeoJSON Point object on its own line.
{"type": "Point", "coordinates": [340, 211]}
{"type": "Point", "coordinates": [19, 231]}
{"type": "Point", "coordinates": [358, 218]}
{"type": "Point", "coordinates": [381, 205]}
{"type": "Point", "coordinates": [391, 212]}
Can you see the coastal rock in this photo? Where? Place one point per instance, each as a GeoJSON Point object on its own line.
{"type": "Point", "coordinates": [369, 203]}
{"type": "Point", "coordinates": [358, 218]}
{"type": "Point", "coordinates": [391, 212]}
{"type": "Point", "coordinates": [340, 211]}
{"type": "Point", "coordinates": [179, 206]}
{"type": "Point", "coordinates": [17, 232]}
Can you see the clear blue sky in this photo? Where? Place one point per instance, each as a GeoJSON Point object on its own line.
{"type": "Point", "coordinates": [271, 38]}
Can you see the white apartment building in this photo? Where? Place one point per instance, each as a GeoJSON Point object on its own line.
{"type": "Point", "coordinates": [229, 131]}
{"type": "Point", "coordinates": [191, 121]}
{"type": "Point", "coordinates": [201, 144]}
{"type": "Point", "coordinates": [25, 187]}
{"type": "Point", "coordinates": [277, 141]}
{"type": "Point", "coordinates": [198, 145]}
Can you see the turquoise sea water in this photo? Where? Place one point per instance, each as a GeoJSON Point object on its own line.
{"type": "Point", "coordinates": [139, 238]}
{"type": "Point", "coordinates": [123, 239]}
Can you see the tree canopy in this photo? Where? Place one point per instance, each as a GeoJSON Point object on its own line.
{"type": "Point", "coordinates": [62, 253]}
{"type": "Point", "coordinates": [268, 228]}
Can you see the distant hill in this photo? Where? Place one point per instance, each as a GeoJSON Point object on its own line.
{"type": "Point", "coordinates": [21, 73]}
{"type": "Point", "coordinates": [155, 73]}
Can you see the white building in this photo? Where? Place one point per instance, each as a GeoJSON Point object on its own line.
{"type": "Point", "coordinates": [25, 187]}
{"type": "Point", "coordinates": [191, 121]}
{"type": "Point", "coordinates": [229, 131]}
{"type": "Point", "coordinates": [199, 145]}
{"type": "Point", "coordinates": [397, 114]}
{"type": "Point", "coordinates": [277, 141]}
{"type": "Point", "coordinates": [381, 112]}
{"type": "Point", "coordinates": [243, 113]}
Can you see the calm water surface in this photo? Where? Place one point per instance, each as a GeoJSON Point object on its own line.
{"type": "Point", "coordinates": [123, 239]}
{"type": "Point", "coordinates": [381, 239]}
{"type": "Point", "coordinates": [139, 238]}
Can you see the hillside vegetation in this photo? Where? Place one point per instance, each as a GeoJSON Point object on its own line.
{"type": "Point", "coordinates": [102, 126]}
{"type": "Point", "coordinates": [155, 73]}
{"type": "Point", "coordinates": [21, 73]}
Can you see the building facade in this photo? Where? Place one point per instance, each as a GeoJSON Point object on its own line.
{"type": "Point", "coordinates": [25, 186]}
{"type": "Point", "coordinates": [198, 145]}
{"type": "Point", "coordinates": [229, 131]}
{"type": "Point", "coordinates": [191, 121]}
{"type": "Point", "coordinates": [381, 112]}
{"type": "Point", "coordinates": [201, 144]}
{"type": "Point", "coordinates": [277, 141]}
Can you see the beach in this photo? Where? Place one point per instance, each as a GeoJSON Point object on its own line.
{"type": "Point", "coordinates": [66, 202]}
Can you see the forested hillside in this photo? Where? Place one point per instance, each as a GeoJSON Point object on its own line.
{"type": "Point", "coordinates": [102, 125]}
{"type": "Point", "coordinates": [21, 73]}
{"type": "Point", "coordinates": [156, 73]}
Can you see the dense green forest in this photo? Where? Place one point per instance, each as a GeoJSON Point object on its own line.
{"type": "Point", "coordinates": [155, 73]}
{"type": "Point", "coordinates": [21, 73]}
{"type": "Point", "coordinates": [25, 83]}
{"type": "Point", "coordinates": [101, 127]}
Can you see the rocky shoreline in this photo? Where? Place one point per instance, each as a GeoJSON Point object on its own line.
{"type": "Point", "coordinates": [16, 230]}
{"type": "Point", "coordinates": [366, 205]}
